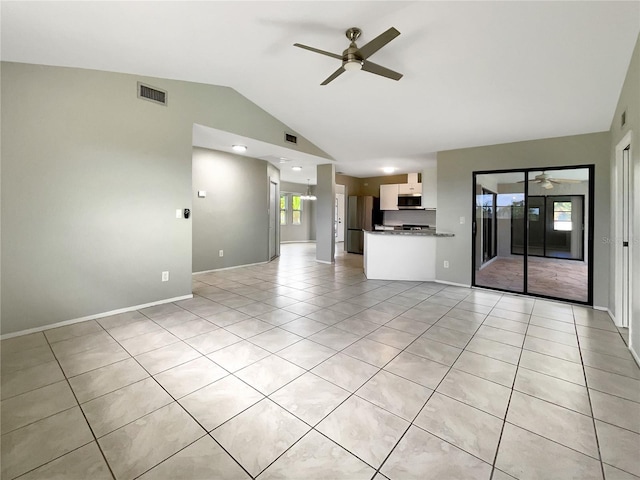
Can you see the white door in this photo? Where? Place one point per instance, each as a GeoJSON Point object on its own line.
{"type": "Point", "coordinates": [274, 205]}
{"type": "Point", "coordinates": [623, 242]}
{"type": "Point", "coordinates": [339, 217]}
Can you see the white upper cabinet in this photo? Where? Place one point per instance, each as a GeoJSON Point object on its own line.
{"type": "Point", "coordinates": [409, 188]}
{"type": "Point", "coordinates": [430, 188]}
{"type": "Point", "coordinates": [389, 197]}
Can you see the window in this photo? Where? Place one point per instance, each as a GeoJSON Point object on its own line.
{"type": "Point", "coordinates": [296, 208]}
{"type": "Point", "coordinates": [283, 209]}
{"type": "Point", "coordinates": [562, 216]}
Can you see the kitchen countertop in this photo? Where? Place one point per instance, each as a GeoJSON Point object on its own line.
{"type": "Point", "coordinates": [423, 233]}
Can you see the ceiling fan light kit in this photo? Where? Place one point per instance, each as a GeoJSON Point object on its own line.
{"type": "Point", "coordinates": [354, 58]}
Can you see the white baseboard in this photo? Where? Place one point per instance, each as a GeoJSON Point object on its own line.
{"type": "Point", "coordinates": [230, 268]}
{"type": "Point", "coordinates": [64, 323]}
{"type": "Point", "coordinates": [634, 354]}
{"type": "Point", "coordinates": [453, 284]}
{"type": "Point", "coordinates": [298, 241]}
{"type": "Point", "coordinates": [325, 262]}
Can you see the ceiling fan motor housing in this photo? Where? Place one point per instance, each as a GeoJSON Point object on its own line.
{"type": "Point", "coordinates": [351, 58]}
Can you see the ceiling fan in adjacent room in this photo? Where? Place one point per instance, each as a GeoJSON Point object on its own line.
{"type": "Point", "coordinates": [354, 58]}
{"type": "Point", "coordinates": [546, 181]}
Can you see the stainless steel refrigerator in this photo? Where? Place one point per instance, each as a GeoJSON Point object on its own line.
{"type": "Point", "coordinates": [363, 213]}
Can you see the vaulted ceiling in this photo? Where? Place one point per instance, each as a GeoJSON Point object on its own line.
{"type": "Point", "coordinates": [475, 73]}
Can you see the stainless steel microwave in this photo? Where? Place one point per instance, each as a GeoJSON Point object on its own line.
{"type": "Point", "coordinates": [410, 202]}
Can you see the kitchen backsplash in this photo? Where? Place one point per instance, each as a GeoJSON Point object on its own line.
{"type": "Point", "coordinates": [412, 217]}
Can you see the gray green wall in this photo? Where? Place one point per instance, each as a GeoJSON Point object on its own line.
{"type": "Point", "coordinates": [233, 216]}
{"type": "Point", "coordinates": [91, 180]}
{"type": "Point", "coordinates": [630, 101]}
{"type": "Point", "coordinates": [455, 169]}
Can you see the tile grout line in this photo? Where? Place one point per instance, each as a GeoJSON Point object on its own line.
{"type": "Point", "coordinates": [506, 412]}
{"type": "Point", "coordinates": [83, 413]}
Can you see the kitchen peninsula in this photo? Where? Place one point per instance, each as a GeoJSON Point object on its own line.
{"type": "Point", "coordinates": [401, 254]}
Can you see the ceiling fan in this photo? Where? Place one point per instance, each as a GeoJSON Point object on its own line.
{"type": "Point", "coordinates": [546, 181]}
{"type": "Point", "coordinates": [354, 58]}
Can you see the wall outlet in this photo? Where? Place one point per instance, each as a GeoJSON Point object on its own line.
{"type": "Point", "coordinates": [221, 253]}
{"type": "Point", "coordinates": [165, 276]}
{"type": "Point", "coordinates": [462, 220]}
{"type": "Point", "coordinates": [446, 264]}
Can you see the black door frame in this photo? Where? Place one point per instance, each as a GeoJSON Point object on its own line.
{"type": "Point", "coordinates": [544, 227]}
{"type": "Point", "coordinates": [590, 239]}
{"type": "Point", "coordinates": [494, 226]}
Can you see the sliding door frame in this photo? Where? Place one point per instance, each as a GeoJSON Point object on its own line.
{"type": "Point", "coordinates": [590, 229]}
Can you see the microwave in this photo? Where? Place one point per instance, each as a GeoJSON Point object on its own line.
{"type": "Point", "coordinates": [410, 202]}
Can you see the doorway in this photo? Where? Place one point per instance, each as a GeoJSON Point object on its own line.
{"type": "Point", "coordinates": [274, 219]}
{"type": "Point", "coordinates": [533, 232]}
{"type": "Point", "coordinates": [623, 244]}
{"type": "Point", "coordinates": [339, 216]}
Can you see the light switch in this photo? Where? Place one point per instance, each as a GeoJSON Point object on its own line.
{"type": "Point", "coordinates": [202, 193]}
{"type": "Point", "coordinates": [179, 213]}
{"type": "Point", "coordinates": [461, 220]}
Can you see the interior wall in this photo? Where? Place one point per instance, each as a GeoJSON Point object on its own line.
{"type": "Point", "coordinates": [455, 191]}
{"type": "Point", "coordinates": [232, 216]}
{"type": "Point", "coordinates": [369, 185]}
{"type": "Point", "coordinates": [629, 101]}
{"type": "Point", "coordinates": [304, 232]}
{"type": "Point", "coordinates": [92, 177]}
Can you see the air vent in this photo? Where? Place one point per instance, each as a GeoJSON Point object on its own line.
{"type": "Point", "coordinates": [152, 94]}
{"type": "Point", "coordinates": [290, 138]}
{"type": "Point", "coordinates": [623, 119]}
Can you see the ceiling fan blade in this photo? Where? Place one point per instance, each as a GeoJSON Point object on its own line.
{"type": "Point", "coordinates": [380, 70]}
{"type": "Point", "coordinates": [333, 76]}
{"type": "Point", "coordinates": [564, 180]}
{"type": "Point", "coordinates": [323, 52]}
{"type": "Point", "coordinates": [377, 43]}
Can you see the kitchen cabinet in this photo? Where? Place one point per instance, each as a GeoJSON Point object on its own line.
{"type": "Point", "coordinates": [389, 197]}
{"type": "Point", "coordinates": [409, 189]}
{"type": "Point", "coordinates": [430, 188]}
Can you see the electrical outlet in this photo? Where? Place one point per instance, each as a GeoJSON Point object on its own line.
{"type": "Point", "coordinates": [221, 253]}
{"type": "Point", "coordinates": [165, 276]}
{"type": "Point", "coordinates": [446, 264]}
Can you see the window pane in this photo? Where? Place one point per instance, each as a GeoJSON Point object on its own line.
{"type": "Point", "coordinates": [562, 226]}
{"type": "Point", "coordinates": [283, 202]}
{"type": "Point", "coordinates": [296, 217]}
{"type": "Point", "coordinates": [296, 203]}
{"type": "Point", "coordinates": [562, 216]}
{"type": "Point", "coordinates": [283, 217]}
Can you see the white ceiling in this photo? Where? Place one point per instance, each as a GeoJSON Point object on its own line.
{"type": "Point", "coordinates": [475, 73]}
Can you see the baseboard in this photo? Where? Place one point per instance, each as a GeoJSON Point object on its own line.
{"type": "Point", "coordinates": [299, 241]}
{"type": "Point", "coordinates": [486, 264]}
{"type": "Point", "coordinates": [325, 262]}
{"type": "Point", "coordinates": [453, 284]}
{"type": "Point", "coordinates": [230, 268]}
{"type": "Point", "coordinates": [95, 316]}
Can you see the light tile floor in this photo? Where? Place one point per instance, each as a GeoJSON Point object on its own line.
{"type": "Point", "coordinates": [300, 370]}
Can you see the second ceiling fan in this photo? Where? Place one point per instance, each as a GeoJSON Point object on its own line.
{"type": "Point", "coordinates": [354, 58]}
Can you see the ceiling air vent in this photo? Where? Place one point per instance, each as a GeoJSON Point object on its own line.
{"type": "Point", "coordinates": [290, 138]}
{"type": "Point", "coordinates": [152, 94]}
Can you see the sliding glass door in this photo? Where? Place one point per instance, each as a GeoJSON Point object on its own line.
{"type": "Point", "coordinates": [531, 232]}
{"type": "Point", "coordinates": [499, 202]}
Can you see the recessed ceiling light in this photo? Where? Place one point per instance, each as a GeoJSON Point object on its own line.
{"type": "Point", "coordinates": [239, 148]}
{"type": "Point", "coordinates": [389, 169]}
{"type": "Point", "coordinates": [296, 169]}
